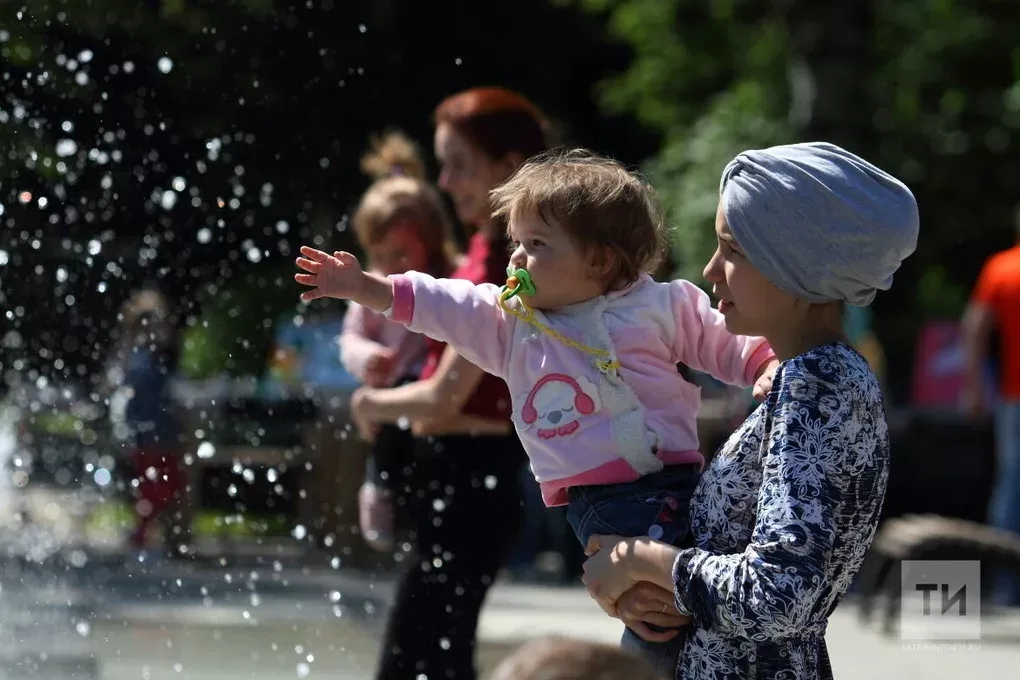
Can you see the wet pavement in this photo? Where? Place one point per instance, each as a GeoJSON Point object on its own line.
{"type": "Point", "coordinates": [274, 611]}
{"type": "Point", "coordinates": [116, 618]}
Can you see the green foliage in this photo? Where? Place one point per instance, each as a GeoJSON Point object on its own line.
{"type": "Point", "coordinates": [939, 296]}
{"type": "Point", "coordinates": [711, 80]}
{"type": "Point", "coordinates": [935, 99]}
{"type": "Point", "coordinates": [686, 172]}
{"type": "Point", "coordinates": [234, 331]}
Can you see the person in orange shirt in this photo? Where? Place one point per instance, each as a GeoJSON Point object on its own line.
{"type": "Point", "coordinates": [995, 306]}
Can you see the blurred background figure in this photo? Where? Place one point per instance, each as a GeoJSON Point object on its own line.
{"type": "Point", "coordinates": [143, 363]}
{"type": "Point", "coordinates": [994, 309]}
{"type": "Point", "coordinates": [401, 224]}
{"type": "Point", "coordinates": [464, 487]}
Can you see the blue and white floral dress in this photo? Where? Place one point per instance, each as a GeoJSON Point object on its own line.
{"type": "Point", "coordinates": [782, 520]}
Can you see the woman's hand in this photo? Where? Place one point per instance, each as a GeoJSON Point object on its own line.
{"type": "Point", "coordinates": [647, 603]}
{"type": "Point", "coordinates": [361, 413]}
{"type": "Point", "coordinates": [607, 571]}
{"type": "Point", "coordinates": [617, 564]}
{"type": "Point", "coordinates": [379, 367]}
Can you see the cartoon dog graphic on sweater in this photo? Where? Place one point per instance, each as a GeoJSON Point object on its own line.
{"type": "Point", "coordinates": [556, 404]}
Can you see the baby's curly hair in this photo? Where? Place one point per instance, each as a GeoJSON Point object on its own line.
{"type": "Point", "coordinates": [597, 201]}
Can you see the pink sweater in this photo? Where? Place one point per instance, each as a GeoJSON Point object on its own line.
{"type": "Point", "coordinates": [365, 332]}
{"type": "Point", "coordinates": [580, 422]}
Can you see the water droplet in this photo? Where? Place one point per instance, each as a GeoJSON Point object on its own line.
{"type": "Point", "coordinates": [66, 147]}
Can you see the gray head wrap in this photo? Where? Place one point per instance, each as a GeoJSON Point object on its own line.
{"type": "Point", "coordinates": [819, 222]}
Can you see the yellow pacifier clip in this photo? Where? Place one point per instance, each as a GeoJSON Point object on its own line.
{"type": "Point", "coordinates": [519, 283]}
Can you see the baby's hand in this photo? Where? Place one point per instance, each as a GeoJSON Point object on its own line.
{"type": "Point", "coordinates": [336, 276]}
{"type": "Point", "coordinates": [763, 385]}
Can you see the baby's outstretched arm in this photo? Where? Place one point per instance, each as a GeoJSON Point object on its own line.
{"type": "Point", "coordinates": [465, 315]}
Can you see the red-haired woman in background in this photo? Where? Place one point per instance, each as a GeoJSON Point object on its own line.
{"type": "Point", "coordinates": [462, 483]}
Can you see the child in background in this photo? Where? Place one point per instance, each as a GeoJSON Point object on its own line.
{"type": "Point", "coordinates": [587, 342]}
{"type": "Point", "coordinates": [145, 359]}
{"type": "Point", "coordinates": [400, 224]}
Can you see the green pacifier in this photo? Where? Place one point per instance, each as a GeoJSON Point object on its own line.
{"type": "Point", "coordinates": [518, 282]}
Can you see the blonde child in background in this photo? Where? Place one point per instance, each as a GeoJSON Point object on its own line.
{"type": "Point", "coordinates": [588, 346]}
{"type": "Point", "coordinates": [401, 225]}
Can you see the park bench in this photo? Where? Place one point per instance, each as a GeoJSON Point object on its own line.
{"type": "Point", "coordinates": [928, 537]}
